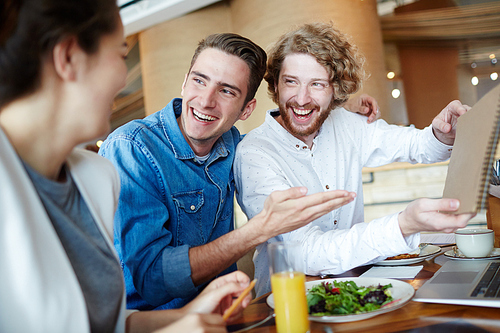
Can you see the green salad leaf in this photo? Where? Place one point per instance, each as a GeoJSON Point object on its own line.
{"type": "Point", "coordinates": [345, 297]}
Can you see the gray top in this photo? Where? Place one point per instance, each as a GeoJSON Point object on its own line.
{"type": "Point", "coordinates": [96, 268]}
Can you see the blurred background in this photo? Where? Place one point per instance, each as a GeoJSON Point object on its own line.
{"type": "Point", "coordinates": [420, 56]}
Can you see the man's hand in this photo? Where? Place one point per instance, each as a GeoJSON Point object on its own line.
{"type": "Point", "coordinates": [285, 211]}
{"type": "Point", "coordinates": [218, 296]}
{"type": "Point", "coordinates": [365, 105]}
{"type": "Point", "coordinates": [444, 125]}
{"type": "Point", "coordinates": [430, 215]}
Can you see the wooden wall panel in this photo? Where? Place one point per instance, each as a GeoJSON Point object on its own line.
{"type": "Point", "coordinates": [430, 81]}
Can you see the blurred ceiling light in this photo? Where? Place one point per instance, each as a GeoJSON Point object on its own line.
{"type": "Point", "coordinates": [494, 61]}
{"type": "Point", "coordinates": [473, 65]}
{"type": "Point", "coordinates": [492, 56]}
{"type": "Point", "coordinates": [395, 93]}
{"type": "Point", "coordinates": [494, 76]}
{"type": "Point", "coordinates": [391, 75]}
{"type": "Point", "coordinates": [474, 80]}
{"type": "Point", "coordinates": [99, 143]}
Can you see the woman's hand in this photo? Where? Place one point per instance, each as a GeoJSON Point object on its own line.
{"type": "Point", "coordinates": [218, 296]}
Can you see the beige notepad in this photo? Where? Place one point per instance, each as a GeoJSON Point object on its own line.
{"type": "Point", "coordinates": [473, 153]}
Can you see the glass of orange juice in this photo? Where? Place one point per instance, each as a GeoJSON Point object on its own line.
{"type": "Point", "coordinates": [288, 286]}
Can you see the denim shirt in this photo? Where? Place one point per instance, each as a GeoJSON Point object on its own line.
{"type": "Point", "coordinates": [168, 203]}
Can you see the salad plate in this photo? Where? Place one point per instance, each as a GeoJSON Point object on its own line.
{"type": "Point", "coordinates": [494, 254]}
{"type": "Point", "coordinates": [401, 292]}
{"type": "Point", "coordinates": [424, 254]}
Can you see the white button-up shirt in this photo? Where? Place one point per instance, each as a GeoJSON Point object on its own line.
{"type": "Point", "coordinates": [269, 158]}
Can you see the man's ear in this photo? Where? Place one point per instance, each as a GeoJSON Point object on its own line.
{"type": "Point", "coordinates": [184, 84]}
{"type": "Point", "coordinates": [248, 109]}
{"type": "Point", "coordinates": [66, 56]}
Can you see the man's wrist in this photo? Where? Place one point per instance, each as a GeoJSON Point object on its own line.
{"type": "Point", "coordinates": [441, 138]}
{"type": "Point", "coordinates": [254, 230]}
{"type": "Point", "coordinates": [402, 224]}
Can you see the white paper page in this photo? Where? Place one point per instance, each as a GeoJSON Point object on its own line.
{"type": "Point", "coordinates": [437, 238]}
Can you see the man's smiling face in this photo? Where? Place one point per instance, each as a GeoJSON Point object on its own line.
{"type": "Point", "coordinates": [214, 93]}
{"type": "Point", "coordinates": [304, 95]}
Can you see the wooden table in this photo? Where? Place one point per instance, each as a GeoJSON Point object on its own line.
{"type": "Point", "coordinates": [412, 317]}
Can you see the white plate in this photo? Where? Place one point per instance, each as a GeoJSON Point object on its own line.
{"type": "Point", "coordinates": [424, 253]}
{"type": "Point", "coordinates": [402, 293]}
{"type": "Point", "coordinates": [495, 254]}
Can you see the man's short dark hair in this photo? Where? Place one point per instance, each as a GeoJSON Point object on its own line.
{"type": "Point", "coordinates": [252, 54]}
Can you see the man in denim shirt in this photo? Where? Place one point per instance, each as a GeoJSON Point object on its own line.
{"type": "Point", "coordinates": [174, 223]}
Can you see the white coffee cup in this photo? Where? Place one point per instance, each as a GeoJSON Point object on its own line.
{"type": "Point", "coordinates": [475, 243]}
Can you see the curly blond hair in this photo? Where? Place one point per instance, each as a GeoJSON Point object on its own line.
{"type": "Point", "coordinates": [331, 48]}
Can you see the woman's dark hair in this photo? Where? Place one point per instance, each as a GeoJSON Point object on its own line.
{"type": "Point", "coordinates": [29, 30]}
{"type": "Point", "coordinates": [252, 54]}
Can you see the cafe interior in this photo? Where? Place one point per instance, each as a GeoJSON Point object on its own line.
{"type": "Point", "coordinates": [420, 55]}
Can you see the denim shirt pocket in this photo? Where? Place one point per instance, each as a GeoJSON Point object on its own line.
{"type": "Point", "coordinates": [228, 207]}
{"type": "Point", "coordinates": [189, 218]}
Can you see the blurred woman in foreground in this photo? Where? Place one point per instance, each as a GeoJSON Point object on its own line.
{"type": "Point", "coordinates": [61, 64]}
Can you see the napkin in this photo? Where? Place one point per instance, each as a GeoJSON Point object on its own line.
{"type": "Point", "coordinates": [395, 272]}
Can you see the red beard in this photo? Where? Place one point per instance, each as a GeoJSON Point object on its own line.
{"type": "Point", "coordinates": [298, 130]}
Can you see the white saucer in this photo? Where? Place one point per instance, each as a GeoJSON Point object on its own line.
{"type": "Point", "coordinates": [495, 254]}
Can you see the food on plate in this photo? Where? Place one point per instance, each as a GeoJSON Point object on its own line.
{"type": "Point", "coordinates": [345, 297]}
{"type": "Point", "coordinates": [403, 256]}
{"type": "Point", "coordinates": [412, 254]}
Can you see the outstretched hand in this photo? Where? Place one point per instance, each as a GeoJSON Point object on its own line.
{"type": "Point", "coordinates": [444, 124]}
{"type": "Point", "coordinates": [432, 215]}
{"type": "Point", "coordinates": [287, 210]}
{"type": "Point", "coordinates": [365, 105]}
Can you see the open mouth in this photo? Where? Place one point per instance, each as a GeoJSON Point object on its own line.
{"type": "Point", "coordinates": [302, 113]}
{"type": "Point", "coordinates": [202, 117]}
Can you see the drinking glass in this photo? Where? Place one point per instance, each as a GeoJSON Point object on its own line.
{"type": "Point", "coordinates": [288, 286]}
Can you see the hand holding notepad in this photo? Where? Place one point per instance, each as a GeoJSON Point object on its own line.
{"type": "Point", "coordinates": [473, 154]}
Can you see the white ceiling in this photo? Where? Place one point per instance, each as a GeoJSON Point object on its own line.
{"type": "Point", "coordinates": [140, 15]}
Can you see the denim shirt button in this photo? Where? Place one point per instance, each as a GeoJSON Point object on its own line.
{"type": "Point", "coordinates": [193, 207]}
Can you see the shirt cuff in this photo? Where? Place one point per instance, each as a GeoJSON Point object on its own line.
{"type": "Point", "coordinates": [177, 272]}
{"type": "Point", "coordinates": [410, 242]}
{"type": "Point", "coordinates": [435, 141]}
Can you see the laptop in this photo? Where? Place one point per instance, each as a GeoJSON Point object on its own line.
{"type": "Point", "coordinates": [464, 282]}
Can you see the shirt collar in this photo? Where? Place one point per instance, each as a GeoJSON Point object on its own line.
{"type": "Point", "coordinates": [284, 136]}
